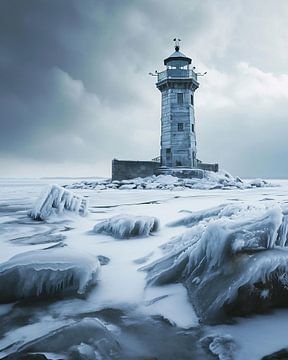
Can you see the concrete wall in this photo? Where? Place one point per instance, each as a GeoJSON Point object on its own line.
{"type": "Point", "coordinates": [208, 167]}
{"type": "Point", "coordinates": [128, 169]}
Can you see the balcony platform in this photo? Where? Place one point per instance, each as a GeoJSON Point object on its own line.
{"type": "Point", "coordinates": [176, 74]}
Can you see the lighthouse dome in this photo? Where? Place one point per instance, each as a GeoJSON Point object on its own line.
{"type": "Point", "coordinates": [177, 59]}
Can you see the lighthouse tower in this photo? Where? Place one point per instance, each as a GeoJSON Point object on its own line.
{"type": "Point", "coordinates": [178, 139]}
{"type": "Point", "coordinates": [177, 85]}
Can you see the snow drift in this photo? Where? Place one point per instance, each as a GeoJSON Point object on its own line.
{"type": "Point", "coordinates": [55, 200]}
{"type": "Point", "coordinates": [127, 226]}
{"type": "Point", "coordinates": [234, 260]}
{"type": "Point", "coordinates": [49, 272]}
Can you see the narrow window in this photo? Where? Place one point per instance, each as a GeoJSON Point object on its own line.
{"type": "Point", "coordinates": [192, 99]}
{"type": "Point", "coordinates": [168, 154]}
{"type": "Point", "coordinates": [178, 163]}
{"type": "Point", "coordinates": [192, 127]}
{"type": "Point", "coordinates": [180, 127]}
{"type": "Point", "coordinates": [180, 98]}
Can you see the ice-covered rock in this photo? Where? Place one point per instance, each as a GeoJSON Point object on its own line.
{"type": "Point", "coordinates": [103, 260]}
{"type": "Point", "coordinates": [127, 226]}
{"type": "Point", "coordinates": [55, 200]}
{"type": "Point", "coordinates": [166, 179]}
{"type": "Point", "coordinates": [223, 347]}
{"type": "Point", "coordinates": [127, 187]}
{"type": "Point", "coordinates": [101, 187]}
{"type": "Point", "coordinates": [42, 273]}
{"type": "Point", "coordinates": [257, 183]}
{"type": "Point", "coordinates": [84, 352]}
{"type": "Point", "coordinates": [278, 355]}
{"type": "Point", "coordinates": [223, 210]}
{"type": "Point", "coordinates": [41, 238]}
{"type": "Point", "coordinates": [23, 356]}
{"type": "Point", "coordinates": [80, 338]}
{"type": "Point", "coordinates": [210, 181]}
{"type": "Point", "coordinates": [231, 264]}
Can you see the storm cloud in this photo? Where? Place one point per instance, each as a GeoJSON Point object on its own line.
{"type": "Point", "coordinates": [75, 90]}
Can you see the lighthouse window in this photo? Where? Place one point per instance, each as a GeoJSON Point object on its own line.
{"type": "Point", "coordinates": [180, 127]}
{"type": "Point", "coordinates": [192, 126]}
{"type": "Point", "coordinates": [192, 100]}
{"type": "Point", "coordinates": [180, 98]}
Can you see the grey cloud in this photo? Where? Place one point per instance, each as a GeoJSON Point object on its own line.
{"type": "Point", "coordinates": [74, 84]}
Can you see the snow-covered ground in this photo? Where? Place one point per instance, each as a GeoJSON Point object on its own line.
{"type": "Point", "coordinates": [145, 321]}
{"type": "Point", "coordinates": [211, 180]}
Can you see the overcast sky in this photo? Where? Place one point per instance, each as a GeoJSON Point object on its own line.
{"type": "Point", "coordinates": [75, 90]}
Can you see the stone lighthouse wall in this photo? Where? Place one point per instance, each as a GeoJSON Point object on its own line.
{"type": "Point", "coordinates": [178, 140]}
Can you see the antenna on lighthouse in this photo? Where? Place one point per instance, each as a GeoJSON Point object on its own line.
{"type": "Point", "coordinates": [177, 44]}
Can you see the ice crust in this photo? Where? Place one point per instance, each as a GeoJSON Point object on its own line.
{"type": "Point", "coordinates": [55, 200]}
{"type": "Point", "coordinates": [220, 180]}
{"type": "Point", "coordinates": [234, 259]}
{"type": "Point", "coordinates": [127, 226]}
{"type": "Point", "coordinates": [46, 273]}
{"type": "Point", "coordinates": [88, 336]}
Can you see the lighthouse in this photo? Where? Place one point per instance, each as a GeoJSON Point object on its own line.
{"type": "Point", "coordinates": [177, 84]}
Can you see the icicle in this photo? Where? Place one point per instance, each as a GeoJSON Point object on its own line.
{"type": "Point", "coordinates": [227, 261]}
{"type": "Point", "coordinates": [47, 272]}
{"type": "Point", "coordinates": [55, 200]}
{"type": "Point", "coordinates": [126, 226]}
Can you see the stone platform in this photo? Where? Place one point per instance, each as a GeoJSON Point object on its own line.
{"type": "Point", "coordinates": [131, 169]}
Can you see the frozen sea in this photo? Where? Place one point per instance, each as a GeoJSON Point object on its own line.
{"type": "Point", "coordinates": [148, 323]}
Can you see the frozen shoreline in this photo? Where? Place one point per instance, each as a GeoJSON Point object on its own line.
{"type": "Point", "coordinates": [210, 181]}
{"type": "Point", "coordinates": [122, 286]}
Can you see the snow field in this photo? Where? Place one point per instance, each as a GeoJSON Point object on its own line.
{"type": "Point", "coordinates": [122, 285]}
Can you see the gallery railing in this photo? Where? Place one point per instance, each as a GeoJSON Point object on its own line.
{"type": "Point", "coordinates": [176, 73]}
{"type": "Point", "coordinates": [157, 159]}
